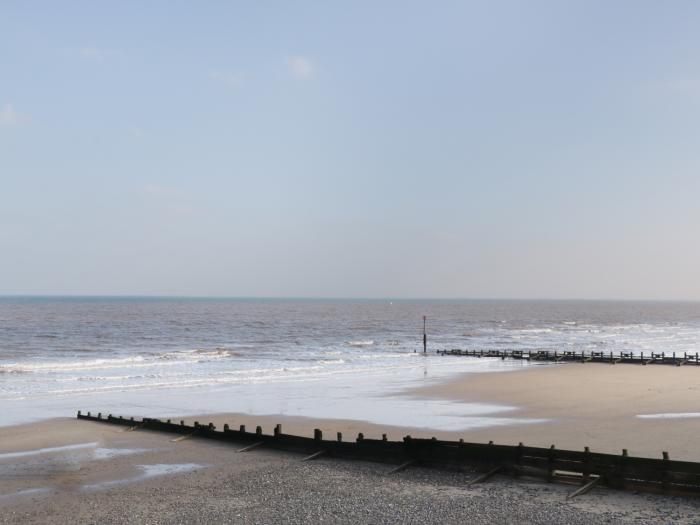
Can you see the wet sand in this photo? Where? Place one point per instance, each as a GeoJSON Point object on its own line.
{"type": "Point", "coordinates": [593, 405]}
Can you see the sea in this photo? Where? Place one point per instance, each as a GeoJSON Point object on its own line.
{"type": "Point", "coordinates": [341, 359]}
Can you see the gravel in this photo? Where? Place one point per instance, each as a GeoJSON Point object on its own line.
{"type": "Point", "coordinates": [275, 487]}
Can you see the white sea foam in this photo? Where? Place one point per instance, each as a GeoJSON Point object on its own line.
{"type": "Point", "coordinates": [670, 415]}
{"type": "Point", "coordinates": [139, 361]}
{"type": "Point", "coordinates": [294, 374]}
{"type": "Point", "coordinates": [148, 471]}
{"type": "Point", "coordinates": [95, 364]}
{"type": "Point", "coordinates": [50, 450]}
{"type": "Point", "coordinates": [109, 453]}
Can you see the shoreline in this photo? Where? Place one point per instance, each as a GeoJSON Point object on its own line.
{"type": "Point", "coordinates": [569, 405]}
{"type": "Point", "coordinates": [353, 393]}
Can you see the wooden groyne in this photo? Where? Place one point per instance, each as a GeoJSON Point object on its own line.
{"type": "Point", "coordinates": [583, 468]}
{"type": "Point", "coordinates": [642, 358]}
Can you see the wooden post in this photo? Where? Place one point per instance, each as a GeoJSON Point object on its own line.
{"type": "Point", "coordinates": [340, 437]}
{"type": "Point", "coordinates": [586, 464]}
{"type": "Point", "coordinates": [623, 469]}
{"type": "Point", "coordinates": [242, 428]}
{"type": "Point", "coordinates": [518, 457]}
{"type": "Point", "coordinates": [278, 430]}
{"type": "Point", "coordinates": [425, 338]}
{"type": "Point", "coordinates": [258, 430]}
{"type": "Point", "coordinates": [318, 435]}
{"type": "Point", "coordinates": [550, 469]}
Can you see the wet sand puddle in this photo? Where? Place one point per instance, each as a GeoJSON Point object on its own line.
{"type": "Point", "coordinates": [46, 470]}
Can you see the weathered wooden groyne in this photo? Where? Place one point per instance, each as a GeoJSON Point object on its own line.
{"type": "Point", "coordinates": [584, 468]}
{"type": "Point", "coordinates": [642, 358]}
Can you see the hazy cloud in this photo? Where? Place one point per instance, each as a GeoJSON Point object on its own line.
{"type": "Point", "coordinates": [169, 199]}
{"type": "Point", "coordinates": [682, 86]}
{"type": "Point", "coordinates": [96, 54]}
{"type": "Point", "coordinates": [225, 77]}
{"type": "Point", "coordinates": [136, 133]}
{"type": "Point", "coordinates": [157, 189]}
{"type": "Point", "coordinates": [10, 117]}
{"type": "Point", "coordinates": [181, 209]}
{"type": "Point", "coordinates": [300, 66]}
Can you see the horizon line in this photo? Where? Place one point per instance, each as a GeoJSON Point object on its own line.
{"type": "Point", "coordinates": [336, 298]}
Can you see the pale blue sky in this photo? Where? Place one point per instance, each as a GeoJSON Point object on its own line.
{"type": "Point", "coordinates": [366, 149]}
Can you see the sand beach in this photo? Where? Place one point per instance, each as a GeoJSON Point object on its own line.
{"type": "Point", "coordinates": [594, 405]}
{"type": "Point", "coordinates": [70, 471]}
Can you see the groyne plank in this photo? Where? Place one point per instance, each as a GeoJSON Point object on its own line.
{"type": "Point", "coordinates": [585, 488]}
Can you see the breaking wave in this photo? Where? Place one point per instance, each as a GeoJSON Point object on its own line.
{"type": "Point", "coordinates": [359, 343]}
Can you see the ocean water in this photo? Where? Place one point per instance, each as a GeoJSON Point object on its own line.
{"type": "Point", "coordinates": [323, 358]}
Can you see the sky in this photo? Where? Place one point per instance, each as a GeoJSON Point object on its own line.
{"type": "Point", "coordinates": [495, 149]}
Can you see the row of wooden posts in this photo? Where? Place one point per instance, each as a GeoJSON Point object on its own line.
{"type": "Point", "coordinates": [583, 468]}
{"type": "Point", "coordinates": [661, 358]}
